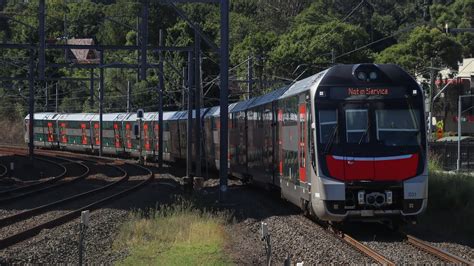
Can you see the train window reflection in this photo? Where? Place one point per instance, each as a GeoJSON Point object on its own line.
{"type": "Point", "coordinates": [398, 127]}
{"type": "Point", "coordinates": [357, 126]}
{"type": "Point", "coordinates": [327, 124]}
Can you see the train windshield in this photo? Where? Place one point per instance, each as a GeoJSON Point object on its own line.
{"type": "Point", "coordinates": [376, 125]}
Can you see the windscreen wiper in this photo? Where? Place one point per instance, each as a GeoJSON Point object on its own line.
{"type": "Point", "coordinates": [331, 139]}
{"type": "Point", "coordinates": [363, 135]}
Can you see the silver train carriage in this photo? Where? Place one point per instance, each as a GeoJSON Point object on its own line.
{"type": "Point", "coordinates": [347, 143]}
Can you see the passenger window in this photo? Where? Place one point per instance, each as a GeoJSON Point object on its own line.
{"type": "Point", "coordinates": [357, 126]}
{"type": "Point", "coordinates": [327, 124]}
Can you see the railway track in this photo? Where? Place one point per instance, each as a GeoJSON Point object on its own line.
{"type": "Point", "coordinates": [36, 187]}
{"type": "Point", "coordinates": [45, 218]}
{"type": "Point", "coordinates": [41, 187]}
{"type": "Point", "coordinates": [423, 246]}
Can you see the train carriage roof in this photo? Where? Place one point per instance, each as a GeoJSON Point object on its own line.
{"type": "Point", "coordinates": [301, 85]}
{"type": "Point", "coordinates": [44, 116]}
{"type": "Point", "coordinates": [185, 114]}
{"type": "Point", "coordinates": [76, 117]}
{"type": "Point", "coordinates": [110, 117]}
{"type": "Point", "coordinates": [240, 106]}
{"type": "Point", "coordinates": [268, 98]}
{"type": "Point", "coordinates": [154, 116]}
{"type": "Point", "coordinates": [213, 111]}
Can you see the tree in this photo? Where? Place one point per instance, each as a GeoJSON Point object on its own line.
{"type": "Point", "coordinates": [422, 45]}
{"type": "Point", "coordinates": [313, 44]}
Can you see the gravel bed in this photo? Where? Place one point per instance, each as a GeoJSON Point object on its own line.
{"type": "Point", "coordinates": [292, 234]}
{"type": "Point", "coordinates": [401, 252]}
{"type": "Point", "coordinates": [462, 251]}
{"type": "Point", "coordinates": [67, 190]}
{"type": "Point", "coordinates": [60, 245]}
{"type": "Point", "coordinates": [63, 209]}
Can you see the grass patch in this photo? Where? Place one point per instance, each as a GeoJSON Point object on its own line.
{"type": "Point", "coordinates": [450, 203]}
{"type": "Point", "coordinates": [174, 235]}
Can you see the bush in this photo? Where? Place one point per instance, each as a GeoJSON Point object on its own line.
{"type": "Point", "coordinates": [13, 132]}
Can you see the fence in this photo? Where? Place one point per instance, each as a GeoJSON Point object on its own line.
{"type": "Point", "coordinates": [447, 154]}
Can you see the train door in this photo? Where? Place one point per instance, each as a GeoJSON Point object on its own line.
{"type": "Point", "coordinates": [84, 134]}
{"type": "Point", "coordinates": [280, 141]}
{"type": "Point", "coordinates": [146, 137]}
{"type": "Point", "coordinates": [128, 135]}
{"type": "Point", "coordinates": [50, 133]}
{"type": "Point", "coordinates": [117, 138]}
{"type": "Point", "coordinates": [63, 133]}
{"type": "Point", "coordinates": [302, 139]}
{"type": "Point", "coordinates": [96, 134]}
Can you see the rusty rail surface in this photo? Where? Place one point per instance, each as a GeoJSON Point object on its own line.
{"type": "Point", "coordinates": [21, 236]}
{"type": "Point", "coordinates": [367, 250]}
{"type": "Point", "coordinates": [444, 255]}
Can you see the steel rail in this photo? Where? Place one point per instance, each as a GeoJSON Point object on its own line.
{"type": "Point", "coordinates": [53, 179]}
{"type": "Point", "coordinates": [21, 236]}
{"type": "Point", "coordinates": [366, 250]}
{"type": "Point", "coordinates": [444, 255]}
{"type": "Point", "coordinates": [41, 209]}
{"type": "Point", "coordinates": [54, 185]}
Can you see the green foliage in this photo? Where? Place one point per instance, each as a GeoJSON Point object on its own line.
{"type": "Point", "coordinates": [422, 45]}
{"type": "Point", "coordinates": [279, 35]}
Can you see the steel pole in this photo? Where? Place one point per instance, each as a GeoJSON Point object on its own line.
{"type": "Point", "coordinates": [56, 97]}
{"type": "Point", "coordinates": [128, 97]}
{"type": "Point", "coordinates": [224, 94]}
{"type": "Point", "coordinates": [160, 103]}
{"type": "Point", "coordinates": [249, 76]}
{"type": "Point", "coordinates": [41, 26]}
{"type": "Point", "coordinates": [189, 139]}
{"type": "Point", "coordinates": [91, 90]}
{"type": "Point", "coordinates": [101, 100]}
{"type": "Point", "coordinates": [197, 82]}
{"type": "Point", "coordinates": [31, 106]}
{"type": "Point", "coordinates": [144, 40]}
{"type": "Point", "coordinates": [458, 163]}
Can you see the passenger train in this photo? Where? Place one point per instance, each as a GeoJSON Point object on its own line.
{"type": "Point", "coordinates": [348, 143]}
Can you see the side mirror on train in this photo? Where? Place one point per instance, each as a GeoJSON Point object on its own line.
{"type": "Point", "coordinates": [136, 131]}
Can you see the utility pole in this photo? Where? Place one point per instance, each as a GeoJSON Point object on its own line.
{"type": "Point", "coordinates": [144, 39]}
{"type": "Point", "coordinates": [31, 104]}
{"type": "Point", "coordinates": [249, 76]}
{"type": "Point", "coordinates": [224, 98]}
{"type": "Point", "coordinates": [91, 89]}
{"type": "Point", "coordinates": [128, 97]}
{"type": "Point", "coordinates": [189, 139]}
{"type": "Point", "coordinates": [160, 99]}
{"type": "Point", "coordinates": [101, 101]}
{"type": "Point", "coordinates": [56, 98]}
{"type": "Point", "coordinates": [41, 31]}
{"type": "Point", "coordinates": [197, 83]}
{"type": "Point", "coordinates": [430, 95]}
{"type": "Point", "coordinates": [46, 96]}
{"type": "Point", "coordinates": [183, 89]}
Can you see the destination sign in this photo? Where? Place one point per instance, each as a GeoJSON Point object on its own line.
{"type": "Point", "coordinates": [365, 92]}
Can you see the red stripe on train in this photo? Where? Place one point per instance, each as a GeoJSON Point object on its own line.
{"type": "Point", "coordinates": [396, 168]}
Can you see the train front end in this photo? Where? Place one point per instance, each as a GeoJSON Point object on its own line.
{"type": "Point", "coordinates": [369, 144]}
